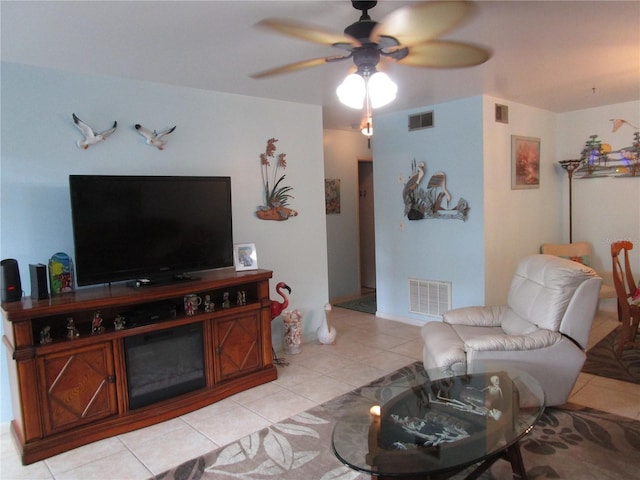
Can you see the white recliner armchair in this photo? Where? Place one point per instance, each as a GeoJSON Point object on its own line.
{"type": "Point", "coordinates": [543, 330]}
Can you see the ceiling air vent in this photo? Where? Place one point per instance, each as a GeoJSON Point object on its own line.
{"type": "Point", "coordinates": [502, 113]}
{"type": "Point", "coordinates": [420, 120]}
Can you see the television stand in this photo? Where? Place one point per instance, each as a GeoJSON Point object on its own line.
{"type": "Point", "coordinates": [71, 382]}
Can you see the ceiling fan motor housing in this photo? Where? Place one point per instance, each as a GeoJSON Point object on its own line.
{"type": "Point", "coordinates": [366, 58]}
{"type": "Point", "coordinates": [364, 6]}
{"type": "Point", "coordinates": [361, 30]}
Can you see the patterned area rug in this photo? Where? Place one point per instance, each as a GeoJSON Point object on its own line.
{"type": "Point", "coordinates": [366, 304]}
{"type": "Point", "coordinates": [603, 362]}
{"type": "Point", "coordinates": [569, 443]}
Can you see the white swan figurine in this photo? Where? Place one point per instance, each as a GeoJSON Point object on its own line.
{"type": "Point", "coordinates": [326, 333]}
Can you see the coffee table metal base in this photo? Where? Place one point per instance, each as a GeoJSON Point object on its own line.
{"type": "Point", "coordinates": [511, 454]}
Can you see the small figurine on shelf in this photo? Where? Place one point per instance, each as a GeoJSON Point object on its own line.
{"type": "Point", "coordinates": [225, 300]}
{"type": "Point", "coordinates": [96, 324]}
{"type": "Point", "coordinates": [209, 306]}
{"type": "Point", "coordinates": [45, 335]}
{"type": "Point", "coordinates": [72, 331]}
{"type": "Point", "coordinates": [118, 322]}
{"type": "Point", "coordinates": [242, 298]}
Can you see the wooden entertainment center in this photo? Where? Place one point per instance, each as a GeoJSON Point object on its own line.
{"type": "Point", "coordinates": [70, 390]}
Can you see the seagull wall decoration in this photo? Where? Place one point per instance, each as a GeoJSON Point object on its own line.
{"type": "Point", "coordinates": [90, 135]}
{"type": "Point", "coordinates": [618, 122]}
{"type": "Point", "coordinates": [154, 138]}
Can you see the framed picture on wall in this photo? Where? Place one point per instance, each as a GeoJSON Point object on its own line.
{"type": "Point", "coordinates": [525, 162]}
{"type": "Point", "coordinates": [332, 195]}
{"type": "Point", "coordinates": [245, 256]}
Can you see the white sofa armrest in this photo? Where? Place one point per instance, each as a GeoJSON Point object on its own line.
{"type": "Point", "coordinates": [475, 316]}
{"type": "Point", "coordinates": [539, 339]}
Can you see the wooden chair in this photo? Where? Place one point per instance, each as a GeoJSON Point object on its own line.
{"type": "Point", "coordinates": [625, 286]}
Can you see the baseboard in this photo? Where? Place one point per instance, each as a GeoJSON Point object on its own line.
{"type": "Point", "coordinates": [396, 318]}
{"type": "Point", "coordinates": [608, 305]}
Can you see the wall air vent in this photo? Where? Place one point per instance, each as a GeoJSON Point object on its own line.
{"type": "Point", "coordinates": [420, 121]}
{"type": "Point", "coordinates": [428, 297]}
{"type": "Point", "coordinates": [502, 113]}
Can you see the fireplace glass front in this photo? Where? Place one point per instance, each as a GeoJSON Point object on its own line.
{"type": "Point", "coordinates": [164, 364]}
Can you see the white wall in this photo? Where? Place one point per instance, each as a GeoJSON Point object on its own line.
{"type": "Point", "coordinates": [604, 209]}
{"type": "Point", "coordinates": [217, 134]}
{"type": "Point", "coordinates": [342, 150]}
{"type": "Point", "coordinates": [38, 152]}
{"type": "Point", "coordinates": [431, 249]}
{"type": "Point", "coordinates": [480, 255]}
{"type": "Point", "coordinates": [517, 221]}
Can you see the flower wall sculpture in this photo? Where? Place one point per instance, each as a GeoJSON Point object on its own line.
{"type": "Point", "coordinates": [276, 196]}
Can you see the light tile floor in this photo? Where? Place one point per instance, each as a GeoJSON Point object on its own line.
{"type": "Point", "coordinates": [367, 347]}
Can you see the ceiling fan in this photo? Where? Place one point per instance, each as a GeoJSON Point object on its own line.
{"type": "Point", "coordinates": [407, 35]}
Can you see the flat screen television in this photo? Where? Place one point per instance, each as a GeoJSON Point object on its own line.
{"type": "Point", "coordinates": [149, 227]}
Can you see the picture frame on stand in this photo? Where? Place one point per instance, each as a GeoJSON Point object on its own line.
{"type": "Point", "coordinates": [245, 256]}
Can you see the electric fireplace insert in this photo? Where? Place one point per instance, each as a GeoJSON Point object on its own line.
{"type": "Point", "coordinates": [164, 364]}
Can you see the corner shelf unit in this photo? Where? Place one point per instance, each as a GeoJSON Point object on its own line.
{"type": "Point", "coordinates": [67, 392]}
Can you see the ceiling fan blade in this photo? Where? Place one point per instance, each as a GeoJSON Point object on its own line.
{"type": "Point", "coordinates": [445, 54]}
{"type": "Point", "coordinates": [292, 67]}
{"type": "Point", "coordinates": [415, 24]}
{"type": "Point", "coordinates": [308, 32]}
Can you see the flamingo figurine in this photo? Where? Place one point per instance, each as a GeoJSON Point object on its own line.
{"type": "Point", "coordinates": [276, 309]}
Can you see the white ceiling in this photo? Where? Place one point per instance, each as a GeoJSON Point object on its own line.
{"type": "Point", "coordinates": [555, 55]}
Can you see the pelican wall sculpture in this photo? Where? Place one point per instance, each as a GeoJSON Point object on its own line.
{"type": "Point", "coordinates": [420, 203]}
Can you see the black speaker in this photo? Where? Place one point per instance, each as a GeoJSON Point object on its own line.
{"type": "Point", "coordinates": [39, 289]}
{"type": "Point", "coordinates": [10, 279]}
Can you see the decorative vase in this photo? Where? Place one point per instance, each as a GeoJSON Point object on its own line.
{"type": "Point", "coordinates": [292, 331]}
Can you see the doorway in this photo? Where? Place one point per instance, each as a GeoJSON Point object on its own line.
{"type": "Point", "coordinates": [366, 227]}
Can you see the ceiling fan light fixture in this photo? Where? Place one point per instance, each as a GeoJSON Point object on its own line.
{"type": "Point", "coordinates": [382, 90]}
{"type": "Point", "coordinates": [352, 90]}
{"type": "Point", "coordinates": [355, 88]}
{"type": "Point", "coordinates": [409, 34]}
{"type": "Point", "coordinates": [367, 130]}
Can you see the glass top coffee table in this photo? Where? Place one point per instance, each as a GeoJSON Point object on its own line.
{"type": "Point", "coordinates": [416, 428]}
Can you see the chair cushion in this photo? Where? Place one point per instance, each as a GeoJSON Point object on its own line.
{"type": "Point", "coordinates": [489, 316]}
{"type": "Point", "coordinates": [583, 259]}
{"type": "Point", "coordinates": [577, 251]}
{"type": "Point", "coordinates": [542, 287]}
{"type": "Point", "coordinates": [539, 339]}
{"type": "Point", "coordinates": [513, 324]}
{"type": "Point", "coordinates": [446, 348]}
{"type": "Point", "coordinates": [635, 298]}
